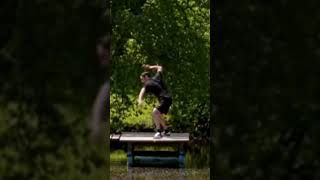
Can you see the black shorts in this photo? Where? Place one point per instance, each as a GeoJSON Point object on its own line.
{"type": "Point", "coordinates": [165, 104]}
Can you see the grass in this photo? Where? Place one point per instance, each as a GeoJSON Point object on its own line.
{"type": "Point", "coordinates": [159, 173]}
{"type": "Point", "coordinates": [118, 157]}
{"type": "Point", "coordinates": [198, 160]}
{"type": "Point", "coordinates": [192, 159]}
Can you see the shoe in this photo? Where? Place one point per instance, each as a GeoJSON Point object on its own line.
{"type": "Point", "coordinates": [157, 135]}
{"type": "Point", "coordinates": [166, 133]}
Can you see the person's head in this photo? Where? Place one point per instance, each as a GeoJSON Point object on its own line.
{"type": "Point", "coordinates": [103, 49]}
{"type": "Point", "coordinates": [144, 77]}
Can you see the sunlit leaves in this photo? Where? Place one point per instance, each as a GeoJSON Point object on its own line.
{"type": "Point", "coordinates": [174, 34]}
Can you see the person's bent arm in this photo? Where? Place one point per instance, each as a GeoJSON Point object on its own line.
{"type": "Point", "coordinates": [100, 111]}
{"type": "Point", "coordinates": [154, 67]}
{"type": "Point", "coordinates": [141, 94]}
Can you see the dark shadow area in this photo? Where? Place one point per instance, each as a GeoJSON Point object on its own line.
{"type": "Point", "coordinates": [49, 78]}
{"type": "Point", "coordinates": [265, 90]}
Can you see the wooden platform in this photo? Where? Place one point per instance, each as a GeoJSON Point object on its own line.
{"type": "Point", "coordinates": [115, 137]}
{"type": "Point", "coordinates": [145, 137]}
{"type": "Point", "coordinates": [131, 139]}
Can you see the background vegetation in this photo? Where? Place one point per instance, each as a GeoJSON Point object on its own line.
{"type": "Point", "coordinates": [175, 34]}
{"type": "Point", "coordinates": [266, 90]}
{"type": "Point", "coordinates": [265, 79]}
{"type": "Point", "coordinates": [49, 76]}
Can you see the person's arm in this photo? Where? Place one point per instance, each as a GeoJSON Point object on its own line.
{"type": "Point", "coordinates": [153, 67]}
{"type": "Point", "coordinates": [141, 94]}
{"type": "Point", "coordinates": [100, 111]}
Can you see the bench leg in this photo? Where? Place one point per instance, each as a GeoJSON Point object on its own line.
{"type": "Point", "coordinates": [130, 155]}
{"type": "Point", "coordinates": [181, 155]}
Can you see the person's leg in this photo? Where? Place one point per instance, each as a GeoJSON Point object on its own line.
{"type": "Point", "coordinates": [164, 108]}
{"type": "Point", "coordinates": [165, 127]}
{"type": "Point", "coordinates": [159, 118]}
{"type": "Point", "coordinates": [162, 122]}
{"type": "Point", "coordinates": [155, 117]}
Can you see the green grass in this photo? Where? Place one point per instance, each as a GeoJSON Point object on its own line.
{"type": "Point", "coordinates": [118, 157]}
{"type": "Point", "coordinates": [198, 160]}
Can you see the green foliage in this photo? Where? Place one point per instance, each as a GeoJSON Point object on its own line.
{"type": "Point", "coordinates": [174, 34]}
{"type": "Point", "coordinates": [118, 157]}
{"type": "Point", "coordinates": [266, 90]}
{"type": "Point", "coordinates": [48, 79]}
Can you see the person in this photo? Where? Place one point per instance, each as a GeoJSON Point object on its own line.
{"type": "Point", "coordinates": [101, 106]}
{"type": "Point", "coordinates": [156, 86]}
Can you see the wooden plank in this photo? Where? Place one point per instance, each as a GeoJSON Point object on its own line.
{"type": "Point", "coordinates": [148, 137]}
{"type": "Point", "coordinates": [115, 137]}
{"type": "Point", "coordinates": [156, 153]}
{"type": "Point", "coordinates": [153, 161]}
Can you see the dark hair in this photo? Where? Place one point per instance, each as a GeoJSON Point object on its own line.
{"type": "Point", "coordinates": [145, 74]}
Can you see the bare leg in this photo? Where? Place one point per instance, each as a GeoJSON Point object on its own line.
{"type": "Point", "coordinates": [162, 122]}
{"type": "Point", "coordinates": [159, 119]}
{"type": "Point", "coordinates": [155, 117]}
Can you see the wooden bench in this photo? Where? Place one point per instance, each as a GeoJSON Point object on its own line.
{"type": "Point", "coordinates": [115, 137]}
{"type": "Point", "coordinates": [142, 158]}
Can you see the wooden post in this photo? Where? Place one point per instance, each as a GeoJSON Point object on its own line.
{"type": "Point", "coordinates": [181, 155]}
{"type": "Point", "coordinates": [130, 155]}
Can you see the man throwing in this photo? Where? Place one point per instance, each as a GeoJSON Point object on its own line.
{"type": "Point", "coordinates": [156, 86]}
